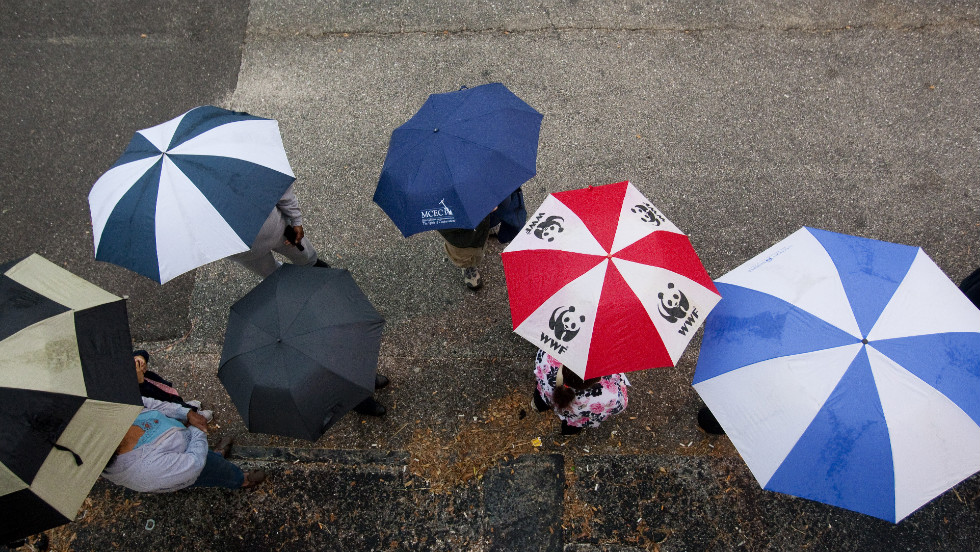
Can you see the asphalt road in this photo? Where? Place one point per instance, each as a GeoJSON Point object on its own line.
{"type": "Point", "coordinates": [740, 121]}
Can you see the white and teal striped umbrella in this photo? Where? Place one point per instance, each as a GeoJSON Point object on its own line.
{"type": "Point", "coordinates": [846, 370]}
{"type": "Point", "coordinates": [189, 191]}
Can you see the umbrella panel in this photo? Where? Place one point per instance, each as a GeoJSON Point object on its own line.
{"type": "Point", "coordinates": [23, 512]}
{"type": "Point", "coordinates": [105, 348]}
{"type": "Point", "coordinates": [32, 422]}
{"type": "Point", "coordinates": [22, 307]}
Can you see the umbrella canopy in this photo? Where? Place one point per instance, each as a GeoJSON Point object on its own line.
{"type": "Point", "coordinates": [189, 191]}
{"type": "Point", "coordinates": [458, 158]}
{"type": "Point", "coordinates": [845, 370]}
{"type": "Point", "coordinates": [68, 392]}
{"type": "Point", "coordinates": [301, 350]}
{"type": "Point", "coordinates": [602, 281]}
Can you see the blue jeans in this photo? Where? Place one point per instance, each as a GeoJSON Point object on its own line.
{"type": "Point", "coordinates": [219, 472]}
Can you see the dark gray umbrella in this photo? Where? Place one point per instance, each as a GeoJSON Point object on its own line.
{"type": "Point", "coordinates": [301, 349]}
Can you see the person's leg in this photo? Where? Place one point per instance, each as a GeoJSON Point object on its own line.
{"type": "Point", "coordinates": [467, 259]}
{"type": "Point", "coordinates": [263, 265]}
{"type": "Point", "coordinates": [539, 403]}
{"type": "Point", "coordinates": [219, 472]}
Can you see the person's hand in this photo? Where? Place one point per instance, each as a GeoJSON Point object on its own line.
{"type": "Point", "coordinates": [140, 367]}
{"type": "Point", "coordinates": [196, 420]}
{"type": "Point", "coordinates": [299, 235]}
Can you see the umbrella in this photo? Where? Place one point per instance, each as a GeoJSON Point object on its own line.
{"type": "Point", "coordinates": [845, 370]}
{"type": "Point", "coordinates": [68, 392]}
{"type": "Point", "coordinates": [301, 350]}
{"type": "Point", "coordinates": [457, 158]}
{"type": "Point", "coordinates": [189, 191]}
{"type": "Point", "coordinates": [602, 281]}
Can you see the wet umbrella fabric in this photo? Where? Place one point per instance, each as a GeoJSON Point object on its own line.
{"type": "Point", "coordinates": [605, 283]}
{"type": "Point", "coordinates": [457, 158]}
{"type": "Point", "coordinates": [301, 350]}
{"type": "Point", "coordinates": [189, 191]}
{"type": "Point", "coordinates": [68, 392]}
{"type": "Point", "coordinates": [844, 370]}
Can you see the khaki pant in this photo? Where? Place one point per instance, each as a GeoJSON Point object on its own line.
{"type": "Point", "coordinates": [464, 257]}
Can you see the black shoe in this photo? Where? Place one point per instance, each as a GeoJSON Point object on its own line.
{"type": "Point", "coordinates": [370, 407]}
{"type": "Point", "coordinates": [570, 430]}
{"type": "Point", "coordinates": [707, 422]}
{"type": "Point", "coordinates": [321, 264]}
{"type": "Point", "coordinates": [380, 382]}
{"type": "Point", "coordinates": [538, 402]}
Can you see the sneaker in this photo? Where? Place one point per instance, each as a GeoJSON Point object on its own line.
{"type": "Point", "coordinates": [195, 404]}
{"type": "Point", "coordinates": [472, 279]}
{"type": "Point", "coordinates": [208, 415]}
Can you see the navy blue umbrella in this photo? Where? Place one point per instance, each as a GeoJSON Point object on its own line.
{"type": "Point", "coordinates": [458, 158]}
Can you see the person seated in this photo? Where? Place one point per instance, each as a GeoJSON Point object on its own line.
{"type": "Point", "coordinates": [154, 386]}
{"type": "Point", "coordinates": [579, 404]}
{"type": "Point", "coordinates": [166, 449]}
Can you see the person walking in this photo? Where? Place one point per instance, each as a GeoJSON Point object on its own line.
{"type": "Point", "coordinates": [579, 404]}
{"type": "Point", "coordinates": [465, 248]}
{"type": "Point", "coordinates": [283, 233]}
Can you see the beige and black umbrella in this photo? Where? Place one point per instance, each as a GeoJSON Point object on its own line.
{"type": "Point", "coordinates": [68, 392]}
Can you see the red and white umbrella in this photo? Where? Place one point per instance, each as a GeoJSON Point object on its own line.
{"type": "Point", "coordinates": [602, 281]}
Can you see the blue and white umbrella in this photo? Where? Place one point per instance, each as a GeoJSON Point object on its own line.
{"type": "Point", "coordinates": [847, 371]}
{"type": "Point", "coordinates": [189, 191]}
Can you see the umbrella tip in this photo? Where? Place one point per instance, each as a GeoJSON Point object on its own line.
{"type": "Point", "coordinates": [435, 130]}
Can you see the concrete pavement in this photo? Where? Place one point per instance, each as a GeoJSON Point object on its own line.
{"type": "Point", "coordinates": [742, 122]}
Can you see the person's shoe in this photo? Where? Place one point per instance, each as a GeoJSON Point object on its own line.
{"type": "Point", "coordinates": [707, 422]}
{"type": "Point", "coordinates": [537, 403]}
{"type": "Point", "coordinates": [380, 382]}
{"type": "Point", "coordinates": [195, 404]}
{"type": "Point", "coordinates": [253, 478]}
{"type": "Point", "coordinates": [370, 407]}
{"type": "Point", "coordinates": [224, 446]}
{"type": "Point", "coordinates": [570, 430]}
{"type": "Point", "coordinates": [208, 415]}
{"type": "Point", "coordinates": [472, 279]}
{"type": "Point", "coordinates": [321, 264]}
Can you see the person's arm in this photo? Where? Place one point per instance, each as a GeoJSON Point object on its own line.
{"type": "Point", "coordinates": [169, 409]}
{"type": "Point", "coordinates": [289, 206]}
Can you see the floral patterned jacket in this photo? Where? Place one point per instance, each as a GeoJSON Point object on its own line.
{"type": "Point", "coordinates": [590, 406]}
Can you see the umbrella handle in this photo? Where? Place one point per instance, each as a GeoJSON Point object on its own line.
{"type": "Point", "coordinates": [78, 459]}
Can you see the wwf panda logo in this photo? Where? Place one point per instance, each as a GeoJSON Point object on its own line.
{"type": "Point", "coordinates": [549, 228]}
{"type": "Point", "coordinates": [673, 305]}
{"type": "Point", "coordinates": [565, 323]}
{"type": "Point", "coordinates": [648, 214]}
